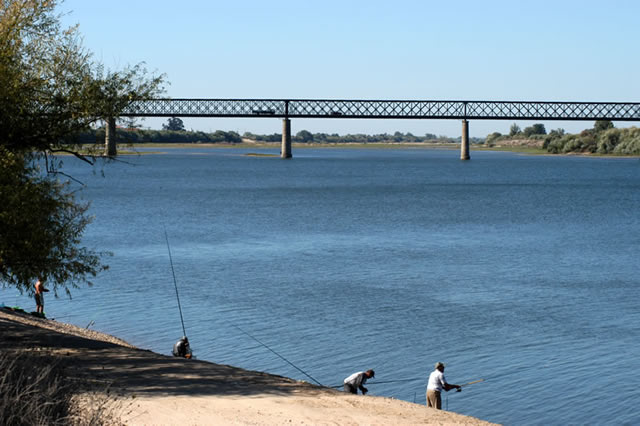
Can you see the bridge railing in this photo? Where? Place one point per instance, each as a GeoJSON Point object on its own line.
{"type": "Point", "coordinates": [380, 109]}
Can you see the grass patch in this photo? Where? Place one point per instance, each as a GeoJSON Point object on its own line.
{"type": "Point", "coordinates": [520, 149]}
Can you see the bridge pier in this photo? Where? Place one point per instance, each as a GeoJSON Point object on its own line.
{"type": "Point", "coordinates": [285, 150]}
{"type": "Point", "coordinates": [110, 149]}
{"type": "Point", "coordinates": [464, 144]}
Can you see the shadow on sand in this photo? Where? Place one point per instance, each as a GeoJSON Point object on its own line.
{"type": "Point", "coordinates": [141, 372]}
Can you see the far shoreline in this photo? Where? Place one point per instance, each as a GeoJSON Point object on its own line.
{"type": "Point", "coordinates": [524, 150]}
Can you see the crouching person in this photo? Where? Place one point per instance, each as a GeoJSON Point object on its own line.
{"type": "Point", "coordinates": [357, 380]}
{"type": "Point", "coordinates": [182, 349]}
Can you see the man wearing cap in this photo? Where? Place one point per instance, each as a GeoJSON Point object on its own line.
{"type": "Point", "coordinates": [357, 380]}
{"type": "Point", "coordinates": [436, 384]}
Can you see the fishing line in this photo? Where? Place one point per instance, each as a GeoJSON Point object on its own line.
{"type": "Point", "coordinates": [175, 284]}
{"type": "Point", "coordinates": [394, 381]}
{"type": "Point", "coordinates": [260, 342]}
{"type": "Point", "coordinates": [281, 357]}
{"type": "Point", "coordinates": [510, 373]}
{"type": "Point", "coordinates": [446, 398]}
{"type": "Point", "coordinates": [383, 381]}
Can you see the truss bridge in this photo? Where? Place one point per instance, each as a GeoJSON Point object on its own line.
{"type": "Point", "coordinates": [315, 108]}
{"type": "Point", "coordinates": [383, 109]}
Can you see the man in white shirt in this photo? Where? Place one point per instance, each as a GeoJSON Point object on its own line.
{"type": "Point", "coordinates": [436, 384]}
{"type": "Point", "coordinates": [357, 380]}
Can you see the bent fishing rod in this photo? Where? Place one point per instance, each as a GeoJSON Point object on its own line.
{"type": "Point", "coordinates": [175, 284]}
{"type": "Point", "coordinates": [472, 383]}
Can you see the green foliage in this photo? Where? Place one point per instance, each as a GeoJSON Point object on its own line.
{"type": "Point", "coordinates": [514, 129]}
{"type": "Point", "coordinates": [323, 138]}
{"type": "Point", "coordinates": [610, 141]}
{"type": "Point", "coordinates": [607, 141]}
{"type": "Point", "coordinates": [602, 125]}
{"type": "Point", "coordinates": [161, 136]}
{"type": "Point", "coordinates": [552, 137]}
{"type": "Point", "coordinates": [536, 129]}
{"type": "Point", "coordinates": [174, 124]}
{"type": "Point", "coordinates": [40, 227]}
{"type": "Point", "coordinates": [602, 139]}
{"type": "Point", "coordinates": [276, 137]}
{"type": "Point", "coordinates": [303, 136]}
{"type": "Point", "coordinates": [50, 90]}
{"type": "Point", "coordinates": [49, 86]}
{"type": "Point", "coordinates": [559, 132]}
{"type": "Point", "coordinates": [492, 138]}
{"type": "Point", "coordinates": [628, 142]}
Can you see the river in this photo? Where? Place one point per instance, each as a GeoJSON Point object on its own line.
{"type": "Point", "coordinates": [515, 269]}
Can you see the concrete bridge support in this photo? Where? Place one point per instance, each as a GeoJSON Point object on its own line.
{"type": "Point", "coordinates": [285, 150]}
{"type": "Point", "coordinates": [110, 139]}
{"type": "Point", "coordinates": [464, 144]}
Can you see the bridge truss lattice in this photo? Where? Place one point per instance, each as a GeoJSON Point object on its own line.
{"type": "Point", "coordinates": [385, 109]}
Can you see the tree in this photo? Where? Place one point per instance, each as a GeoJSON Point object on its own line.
{"type": "Point", "coordinates": [304, 136]}
{"type": "Point", "coordinates": [492, 137]}
{"type": "Point", "coordinates": [514, 129]}
{"type": "Point", "coordinates": [536, 129]}
{"type": "Point", "coordinates": [50, 90]}
{"type": "Point", "coordinates": [601, 125]}
{"type": "Point", "coordinates": [41, 227]}
{"type": "Point", "coordinates": [175, 124]}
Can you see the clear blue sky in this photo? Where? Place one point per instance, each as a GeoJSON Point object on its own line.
{"type": "Point", "coordinates": [404, 49]}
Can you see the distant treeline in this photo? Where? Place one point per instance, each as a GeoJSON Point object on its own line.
{"type": "Point", "coordinates": [184, 136]}
{"type": "Point", "coordinates": [603, 138]}
{"type": "Point", "coordinates": [160, 136]}
{"type": "Point", "coordinates": [305, 136]}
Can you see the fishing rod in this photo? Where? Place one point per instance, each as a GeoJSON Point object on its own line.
{"type": "Point", "coordinates": [175, 284]}
{"type": "Point", "coordinates": [281, 357]}
{"type": "Point", "coordinates": [458, 390]}
{"type": "Point", "coordinates": [472, 383]}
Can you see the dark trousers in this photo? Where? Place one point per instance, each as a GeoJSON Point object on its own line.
{"type": "Point", "coordinates": [350, 389]}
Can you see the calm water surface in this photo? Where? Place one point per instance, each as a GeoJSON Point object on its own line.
{"type": "Point", "coordinates": [519, 270]}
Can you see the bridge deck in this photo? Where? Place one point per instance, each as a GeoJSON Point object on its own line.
{"type": "Point", "coordinates": [385, 109]}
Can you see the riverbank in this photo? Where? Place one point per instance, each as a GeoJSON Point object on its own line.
{"type": "Point", "coordinates": [523, 148]}
{"type": "Point", "coordinates": [161, 390]}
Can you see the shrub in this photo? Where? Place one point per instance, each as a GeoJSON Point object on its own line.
{"type": "Point", "coordinates": [492, 138]}
{"type": "Point", "coordinates": [607, 141]}
{"type": "Point", "coordinates": [34, 390]}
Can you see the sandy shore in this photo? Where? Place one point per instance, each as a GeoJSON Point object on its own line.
{"type": "Point", "coordinates": [160, 390]}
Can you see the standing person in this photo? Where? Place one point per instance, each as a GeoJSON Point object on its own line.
{"type": "Point", "coordinates": [357, 380]}
{"type": "Point", "coordinates": [436, 384]}
{"type": "Point", "coordinates": [39, 296]}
